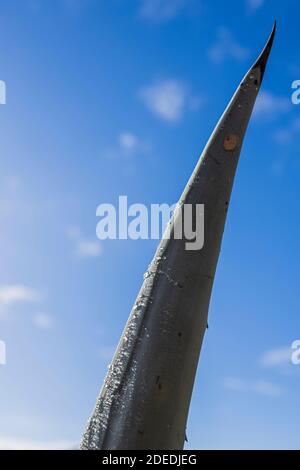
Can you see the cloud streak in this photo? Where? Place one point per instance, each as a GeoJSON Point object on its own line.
{"type": "Point", "coordinates": [276, 357]}
{"type": "Point", "coordinates": [26, 444]}
{"type": "Point", "coordinates": [254, 5]}
{"type": "Point", "coordinates": [288, 134]}
{"type": "Point", "coordinates": [17, 293]}
{"type": "Point", "coordinates": [43, 320]}
{"type": "Point", "coordinates": [90, 248]}
{"type": "Point", "coordinates": [168, 99]}
{"type": "Point", "coordinates": [162, 10]}
{"type": "Point", "coordinates": [259, 387]}
{"type": "Point", "coordinates": [271, 106]}
{"type": "Point", "coordinates": [127, 146]}
{"type": "Point", "coordinates": [226, 48]}
{"type": "Point", "coordinates": [84, 247]}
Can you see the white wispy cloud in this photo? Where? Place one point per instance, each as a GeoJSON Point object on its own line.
{"type": "Point", "coordinates": [130, 144]}
{"type": "Point", "coordinates": [127, 144]}
{"type": "Point", "coordinates": [88, 248]}
{"type": "Point", "coordinates": [226, 47]}
{"type": "Point", "coordinates": [162, 10]}
{"type": "Point", "coordinates": [26, 444]}
{"type": "Point", "coordinates": [128, 141]}
{"type": "Point", "coordinates": [84, 247]}
{"type": "Point", "coordinates": [43, 320]}
{"type": "Point", "coordinates": [254, 5]}
{"type": "Point", "coordinates": [168, 99]}
{"type": "Point", "coordinates": [286, 135]}
{"type": "Point", "coordinates": [270, 105]}
{"type": "Point", "coordinates": [11, 294]}
{"type": "Point", "coordinates": [260, 387]}
{"type": "Point", "coordinates": [276, 357]}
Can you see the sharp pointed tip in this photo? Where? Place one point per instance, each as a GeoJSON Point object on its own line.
{"type": "Point", "coordinates": [273, 30]}
{"type": "Point", "coordinates": [263, 58]}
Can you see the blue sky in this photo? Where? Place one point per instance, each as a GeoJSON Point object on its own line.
{"type": "Point", "coordinates": [111, 98]}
